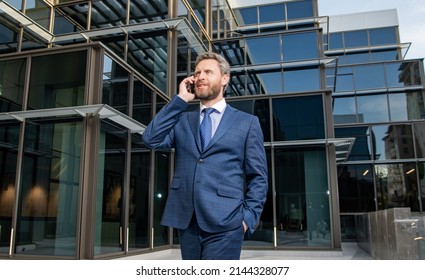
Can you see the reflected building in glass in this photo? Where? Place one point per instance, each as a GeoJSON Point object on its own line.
{"type": "Point", "coordinates": [342, 115]}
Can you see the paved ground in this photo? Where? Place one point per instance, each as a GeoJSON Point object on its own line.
{"type": "Point", "coordinates": [350, 251]}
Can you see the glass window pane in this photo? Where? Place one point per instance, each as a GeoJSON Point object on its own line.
{"type": "Point", "coordinates": [52, 85]}
{"type": "Point", "coordinates": [256, 53]}
{"type": "Point", "coordinates": [142, 102]}
{"type": "Point", "coordinates": [354, 58]}
{"type": "Point", "coordinates": [259, 108]}
{"type": "Point", "coordinates": [9, 141]}
{"type": "Point", "coordinates": [110, 189]}
{"type": "Point", "coordinates": [393, 142]}
{"type": "Point", "coordinates": [419, 129]}
{"type": "Point", "coordinates": [344, 110]}
{"type": "Point", "coordinates": [298, 118]}
{"type": "Point", "coordinates": [266, 82]}
{"type": "Point", "coordinates": [38, 11]}
{"type": "Point", "coordinates": [115, 85]}
{"type": "Point", "coordinates": [246, 16]}
{"type": "Point", "coordinates": [421, 167]}
{"type": "Point", "coordinates": [397, 186]}
{"type": "Point", "coordinates": [162, 167]}
{"type": "Point", "coordinates": [264, 232]}
{"type": "Point", "coordinates": [369, 76]}
{"type": "Point", "coordinates": [138, 216]}
{"type": "Point", "coordinates": [382, 36]}
{"type": "Point", "coordinates": [272, 13]}
{"type": "Point", "coordinates": [299, 9]}
{"type": "Point", "coordinates": [12, 78]}
{"type": "Point", "coordinates": [236, 86]}
{"type": "Point", "coordinates": [302, 200]}
{"type": "Point", "coordinates": [402, 74]}
{"type": "Point", "coordinates": [345, 79]}
{"type": "Point", "coordinates": [299, 80]}
{"type": "Point", "coordinates": [50, 187]}
{"type": "Point", "coordinates": [384, 56]}
{"type": "Point", "coordinates": [291, 46]}
{"type": "Point", "coordinates": [356, 38]}
{"type": "Point", "coordinates": [356, 189]}
{"type": "Point", "coordinates": [361, 149]}
{"type": "Point", "coordinates": [335, 41]}
{"type": "Point", "coordinates": [372, 108]}
{"type": "Point", "coordinates": [398, 106]}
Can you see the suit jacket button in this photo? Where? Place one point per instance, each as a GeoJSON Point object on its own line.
{"type": "Point", "coordinates": [201, 160]}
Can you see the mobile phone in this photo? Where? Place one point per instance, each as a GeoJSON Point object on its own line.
{"type": "Point", "coordinates": [191, 88]}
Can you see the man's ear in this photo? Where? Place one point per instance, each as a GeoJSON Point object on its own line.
{"type": "Point", "coordinates": [225, 80]}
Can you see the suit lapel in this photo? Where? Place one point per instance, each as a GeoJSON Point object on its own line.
{"type": "Point", "coordinates": [226, 122]}
{"type": "Point", "coordinates": [194, 125]}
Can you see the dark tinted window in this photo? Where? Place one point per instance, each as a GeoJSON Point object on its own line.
{"type": "Point", "coordinates": [272, 13]}
{"type": "Point", "coordinates": [298, 118]}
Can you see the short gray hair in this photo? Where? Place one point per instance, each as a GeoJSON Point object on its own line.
{"type": "Point", "coordinates": [222, 62]}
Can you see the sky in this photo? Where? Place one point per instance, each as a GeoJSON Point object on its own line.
{"type": "Point", "coordinates": [411, 16]}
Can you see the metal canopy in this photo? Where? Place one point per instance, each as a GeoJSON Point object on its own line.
{"type": "Point", "coordinates": [102, 111]}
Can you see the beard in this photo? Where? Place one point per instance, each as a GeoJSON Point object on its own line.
{"type": "Point", "coordinates": [210, 93]}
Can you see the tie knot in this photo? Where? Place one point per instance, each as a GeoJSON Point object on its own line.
{"type": "Point", "coordinates": [208, 111]}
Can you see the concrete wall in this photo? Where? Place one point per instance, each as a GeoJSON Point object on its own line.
{"type": "Point", "coordinates": [390, 234]}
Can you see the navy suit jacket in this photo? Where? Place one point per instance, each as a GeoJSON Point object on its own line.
{"type": "Point", "coordinates": [225, 184]}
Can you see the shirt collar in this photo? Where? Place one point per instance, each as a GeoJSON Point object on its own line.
{"type": "Point", "coordinates": [219, 106]}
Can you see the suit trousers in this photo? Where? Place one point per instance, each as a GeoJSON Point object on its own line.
{"type": "Point", "coordinates": [196, 244]}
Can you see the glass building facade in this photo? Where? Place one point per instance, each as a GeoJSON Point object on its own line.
{"type": "Point", "coordinates": [342, 115]}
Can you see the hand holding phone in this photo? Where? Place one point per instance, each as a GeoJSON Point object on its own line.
{"type": "Point", "coordinates": [191, 87]}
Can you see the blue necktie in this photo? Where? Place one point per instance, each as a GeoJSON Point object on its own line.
{"type": "Point", "coordinates": [205, 128]}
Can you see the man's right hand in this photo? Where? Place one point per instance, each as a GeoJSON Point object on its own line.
{"type": "Point", "coordinates": [184, 93]}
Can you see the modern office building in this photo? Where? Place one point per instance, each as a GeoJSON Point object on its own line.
{"type": "Point", "coordinates": [342, 114]}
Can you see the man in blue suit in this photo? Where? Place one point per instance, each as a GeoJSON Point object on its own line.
{"type": "Point", "coordinates": [218, 190]}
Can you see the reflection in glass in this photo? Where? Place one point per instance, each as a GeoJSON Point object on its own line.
{"type": "Point", "coordinates": [50, 186]}
{"type": "Point", "coordinates": [344, 110]}
{"type": "Point", "coordinates": [264, 232]}
{"type": "Point", "coordinates": [419, 130]}
{"type": "Point", "coordinates": [291, 46]}
{"type": "Point", "coordinates": [246, 16]}
{"type": "Point", "coordinates": [272, 13]}
{"type": "Point", "coordinates": [299, 80]}
{"type": "Point", "coordinates": [356, 38]}
{"type": "Point", "coordinates": [356, 188]}
{"type": "Point", "coordinates": [115, 85]}
{"type": "Point", "coordinates": [361, 149]}
{"type": "Point", "coordinates": [148, 54]}
{"type": "Point", "coordinates": [398, 106]}
{"type": "Point", "coordinates": [255, 50]}
{"type": "Point", "coordinates": [345, 79]}
{"type": "Point", "coordinates": [369, 76]}
{"type": "Point", "coordinates": [393, 142]}
{"type": "Point", "coordinates": [384, 56]}
{"type": "Point", "coordinates": [421, 176]}
{"type": "Point", "coordinates": [405, 73]}
{"type": "Point", "coordinates": [267, 82]}
{"type": "Point", "coordinates": [12, 78]}
{"type": "Point", "coordinates": [259, 108]}
{"type": "Point", "coordinates": [383, 36]}
{"type": "Point", "coordinates": [302, 200]}
{"type": "Point", "coordinates": [142, 103]}
{"type": "Point", "coordinates": [335, 41]}
{"type": "Point", "coordinates": [162, 167]}
{"type": "Point", "coordinates": [138, 216]}
{"type": "Point", "coordinates": [299, 9]}
{"type": "Point", "coordinates": [397, 186]}
{"type": "Point", "coordinates": [372, 108]}
{"type": "Point", "coordinates": [110, 189]}
{"type": "Point", "coordinates": [9, 140]}
{"type": "Point", "coordinates": [52, 85]}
